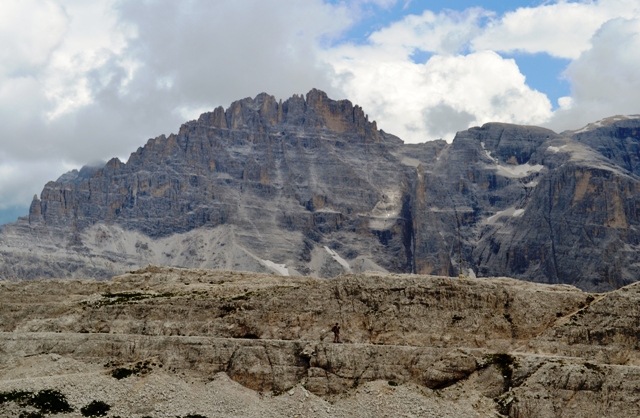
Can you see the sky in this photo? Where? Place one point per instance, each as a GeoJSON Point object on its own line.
{"type": "Point", "coordinates": [84, 81]}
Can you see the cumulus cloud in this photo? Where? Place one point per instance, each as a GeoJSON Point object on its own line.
{"type": "Point", "coordinates": [47, 46]}
{"type": "Point", "coordinates": [443, 119]}
{"type": "Point", "coordinates": [206, 53]}
{"type": "Point", "coordinates": [465, 82]}
{"type": "Point", "coordinates": [605, 77]}
{"type": "Point", "coordinates": [448, 93]}
{"type": "Point", "coordinates": [421, 102]}
{"type": "Point", "coordinates": [29, 31]}
{"type": "Point", "coordinates": [441, 33]}
{"type": "Point", "coordinates": [563, 29]}
{"type": "Point", "coordinates": [94, 36]}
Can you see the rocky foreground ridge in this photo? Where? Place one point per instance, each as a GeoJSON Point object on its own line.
{"type": "Point", "coordinates": [164, 342]}
{"type": "Point", "coordinates": [310, 186]}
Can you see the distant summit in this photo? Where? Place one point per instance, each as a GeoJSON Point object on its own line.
{"type": "Point", "coordinates": [603, 123]}
{"type": "Point", "coordinates": [310, 186]}
{"type": "Point", "coordinates": [316, 112]}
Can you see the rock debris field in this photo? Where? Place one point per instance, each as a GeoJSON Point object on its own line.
{"type": "Point", "coordinates": [167, 342]}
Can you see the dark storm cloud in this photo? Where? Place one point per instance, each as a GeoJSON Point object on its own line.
{"type": "Point", "coordinates": [443, 119]}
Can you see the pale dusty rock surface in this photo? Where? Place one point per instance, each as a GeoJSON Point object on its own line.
{"type": "Point", "coordinates": [220, 343]}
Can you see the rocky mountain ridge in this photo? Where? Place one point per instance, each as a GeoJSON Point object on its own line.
{"type": "Point", "coordinates": [310, 186]}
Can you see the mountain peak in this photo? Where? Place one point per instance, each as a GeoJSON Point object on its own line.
{"type": "Point", "coordinates": [602, 123]}
{"type": "Point", "coordinates": [309, 186]}
{"type": "Point", "coordinates": [316, 111]}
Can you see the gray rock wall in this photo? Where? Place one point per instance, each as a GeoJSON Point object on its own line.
{"type": "Point", "coordinates": [286, 179]}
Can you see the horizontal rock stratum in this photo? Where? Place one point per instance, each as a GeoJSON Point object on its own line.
{"type": "Point", "coordinates": [221, 343]}
{"type": "Point", "coordinates": [310, 186]}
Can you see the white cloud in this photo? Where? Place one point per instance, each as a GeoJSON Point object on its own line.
{"type": "Point", "coordinates": [53, 50]}
{"type": "Point", "coordinates": [604, 79]}
{"type": "Point", "coordinates": [566, 102]}
{"type": "Point", "coordinates": [443, 33]}
{"type": "Point", "coordinates": [451, 92]}
{"type": "Point", "coordinates": [94, 36]}
{"type": "Point", "coordinates": [29, 31]}
{"type": "Point", "coordinates": [448, 93]}
{"type": "Point", "coordinates": [380, 3]}
{"type": "Point", "coordinates": [18, 177]}
{"type": "Point", "coordinates": [563, 29]}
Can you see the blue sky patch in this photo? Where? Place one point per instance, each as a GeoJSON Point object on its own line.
{"type": "Point", "coordinates": [420, 57]}
{"type": "Point", "coordinates": [544, 73]}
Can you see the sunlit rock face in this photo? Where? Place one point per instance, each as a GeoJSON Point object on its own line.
{"type": "Point", "coordinates": [310, 186]}
{"type": "Point", "coordinates": [169, 342]}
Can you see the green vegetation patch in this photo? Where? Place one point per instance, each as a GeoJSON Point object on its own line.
{"type": "Point", "coordinates": [16, 396]}
{"type": "Point", "coordinates": [121, 373]}
{"type": "Point", "coordinates": [505, 402]}
{"type": "Point", "coordinates": [47, 401]}
{"type": "Point", "coordinates": [593, 367]}
{"type": "Point", "coordinates": [245, 296]}
{"type": "Point", "coordinates": [50, 401]}
{"type": "Point", "coordinates": [126, 296]}
{"type": "Point", "coordinates": [122, 298]}
{"type": "Point", "coordinates": [95, 409]}
{"type": "Point", "coordinates": [140, 368]}
{"type": "Point", "coordinates": [504, 362]}
{"type": "Point", "coordinates": [32, 414]}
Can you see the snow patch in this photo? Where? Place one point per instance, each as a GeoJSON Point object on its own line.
{"type": "Point", "coordinates": [493, 218]}
{"type": "Point", "coordinates": [339, 259]}
{"type": "Point", "coordinates": [326, 210]}
{"type": "Point", "coordinates": [531, 184]}
{"type": "Point", "coordinates": [604, 122]}
{"type": "Point", "coordinates": [585, 129]}
{"type": "Point", "coordinates": [515, 171]}
{"type": "Point", "coordinates": [281, 269]}
{"type": "Point", "coordinates": [555, 149]}
{"type": "Point", "coordinates": [411, 162]}
{"type": "Point", "coordinates": [510, 212]}
{"type": "Point", "coordinates": [488, 153]}
{"type": "Point", "coordinates": [386, 211]}
{"type": "Point", "coordinates": [518, 171]}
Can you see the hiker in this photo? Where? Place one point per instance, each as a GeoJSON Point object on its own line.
{"type": "Point", "coordinates": [336, 333]}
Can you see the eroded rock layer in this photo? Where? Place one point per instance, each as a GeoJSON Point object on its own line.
{"type": "Point", "coordinates": [463, 347]}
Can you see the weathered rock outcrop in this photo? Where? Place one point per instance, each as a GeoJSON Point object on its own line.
{"type": "Point", "coordinates": [310, 186]}
{"type": "Point", "coordinates": [494, 345]}
{"type": "Point", "coordinates": [498, 314]}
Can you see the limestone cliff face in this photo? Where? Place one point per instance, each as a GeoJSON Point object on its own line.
{"type": "Point", "coordinates": [181, 182]}
{"type": "Point", "coordinates": [311, 186]}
